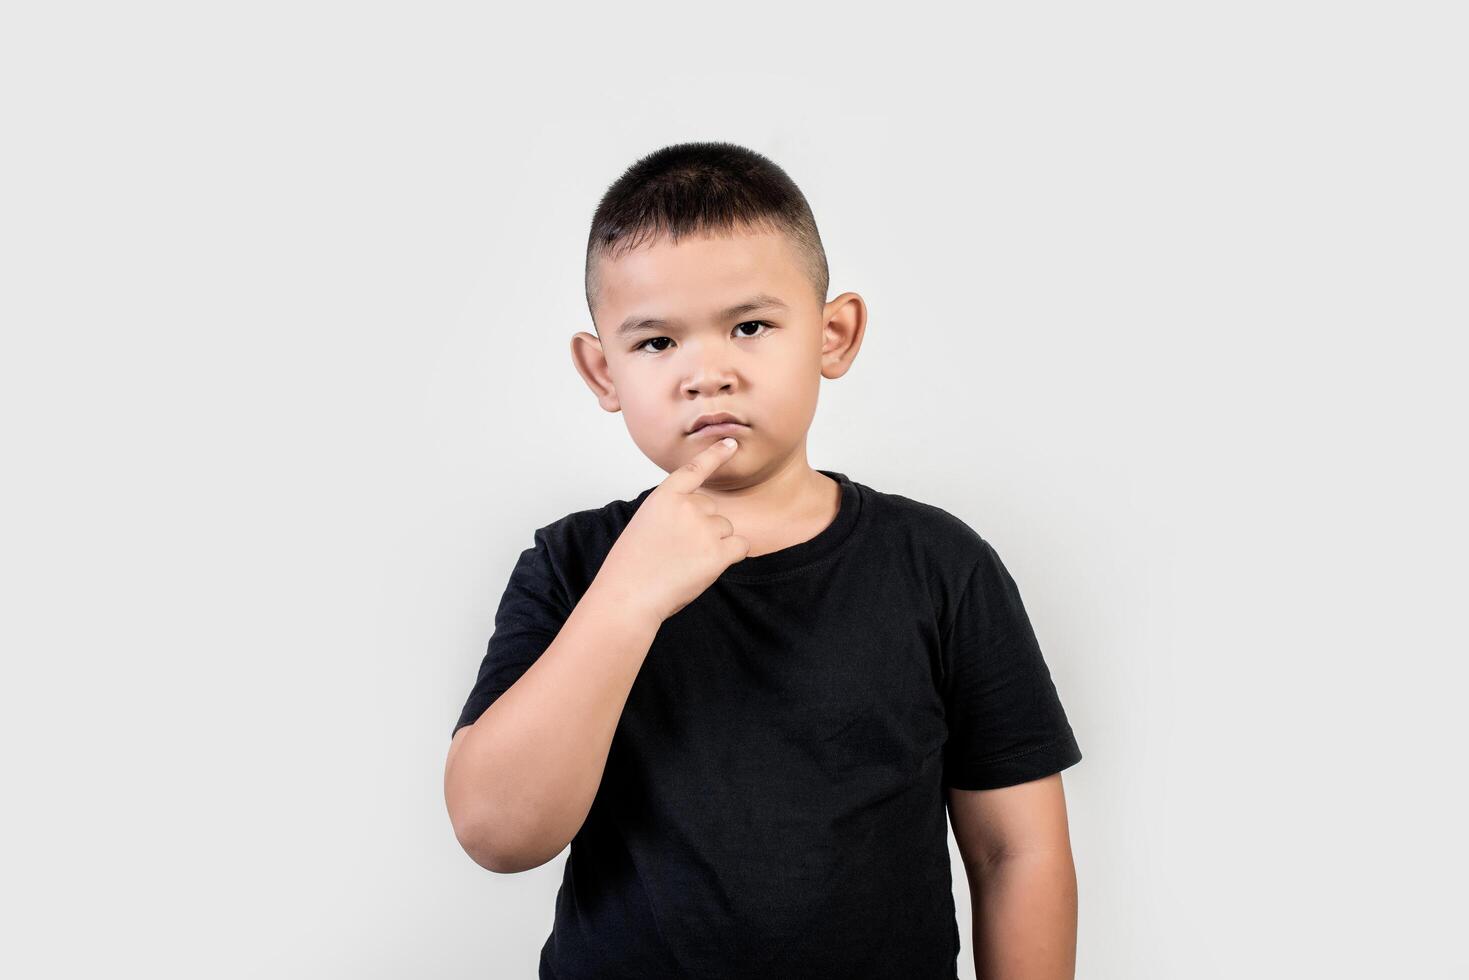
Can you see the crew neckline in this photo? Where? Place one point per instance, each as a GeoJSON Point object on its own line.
{"type": "Point", "coordinates": [796, 557]}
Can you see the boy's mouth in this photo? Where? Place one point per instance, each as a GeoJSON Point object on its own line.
{"type": "Point", "coordinates": [720, 429]}
{"type": "Point", "coordinates": [719, 420]}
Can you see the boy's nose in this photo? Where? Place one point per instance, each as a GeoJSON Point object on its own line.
{"type": "Point", "coordinates": [711, 379]}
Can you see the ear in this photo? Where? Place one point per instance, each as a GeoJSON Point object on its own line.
{"type": "Point", "coordinates": [844, 321]}
{"type": "Point", "coordinates": [591, 363]}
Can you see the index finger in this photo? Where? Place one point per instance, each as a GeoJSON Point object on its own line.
{"type": "Point", "coordinates": [691, 475]}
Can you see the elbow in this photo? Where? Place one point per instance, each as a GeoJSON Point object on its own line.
{"type": "Point", "coordinates": [499, 830]}
{"type": "Point", "coordinates": [477, 841]}
{"type": "Point", "coordinates": [478, 826]}
{"type": "Point", "coordinates": [484, 849]}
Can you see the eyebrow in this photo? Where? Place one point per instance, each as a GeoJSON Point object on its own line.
{"type": "Point", "coordinates": [764, 301]}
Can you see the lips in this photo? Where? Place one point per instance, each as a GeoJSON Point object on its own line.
{"type": "Point", "coordinates": [720, 429]}
{"type": "Point", "coordinates": [724, 420]}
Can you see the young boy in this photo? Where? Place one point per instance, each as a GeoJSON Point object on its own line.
{"type": "Point", "coordinates": [745, 696]}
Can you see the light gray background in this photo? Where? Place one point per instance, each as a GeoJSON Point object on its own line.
{"type": "Point", "coordinates": [1166, 301]}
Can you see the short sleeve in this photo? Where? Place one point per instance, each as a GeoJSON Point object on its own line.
{"type": "Point", "coordinates": [531, 613]}
{"type": "Point", "coordinates": [1005, 720]}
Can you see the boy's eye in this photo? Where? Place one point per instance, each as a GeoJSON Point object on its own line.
{"type": "Point", "coordinates": [747, 323]}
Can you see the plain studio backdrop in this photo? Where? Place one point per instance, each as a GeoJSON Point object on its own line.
{"type": "Point", "coordinates": [1166, 301]}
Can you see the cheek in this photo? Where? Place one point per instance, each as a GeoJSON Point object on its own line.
{"type": "Point", "coordinates": [652, 419]}
{"type": "Point", "coordinates": [793, 403]}
{"type": "Point", "coordinates": [635, 392]}
{"type": "Point", "coordinates": [640, 414]}
{"type": "Point", "coordinates": [797, 383]}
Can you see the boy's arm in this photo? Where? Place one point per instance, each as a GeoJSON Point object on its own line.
{"type": "Point", "coordinates": [520, 781]}
{"type": "Point", "coordinates": [1016, 848]}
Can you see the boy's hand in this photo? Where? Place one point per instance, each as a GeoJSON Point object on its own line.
{"type": "Point", "coordinates": [676, 544]}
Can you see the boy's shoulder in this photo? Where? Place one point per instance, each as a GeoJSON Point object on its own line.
{"type": "Point", "coordinates": [592, 521]}
{"type": "Point", "coordinates": [582, 538]}
{"type": "Point", "coordinates": [926, 528]}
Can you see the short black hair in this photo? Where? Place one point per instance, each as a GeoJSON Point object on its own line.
{"type": "Point", "coordinates": [699, 189]}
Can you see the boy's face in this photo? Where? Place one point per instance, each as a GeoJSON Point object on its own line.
{"type": "Point", "coordinates": [716, 324]}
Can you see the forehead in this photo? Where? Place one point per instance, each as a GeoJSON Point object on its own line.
{"type": "Point", "coordinates": [698, 276]}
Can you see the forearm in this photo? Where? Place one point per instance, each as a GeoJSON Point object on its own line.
{"type": "Point", "coordinates": [1025, 917]}
{"type": "Point", "coordinates": [523, 781]}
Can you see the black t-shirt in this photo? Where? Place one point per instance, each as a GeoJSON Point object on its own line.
{"type": "Point", "coordinates": [773, 801]}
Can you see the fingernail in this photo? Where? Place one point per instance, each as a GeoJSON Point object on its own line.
{"type": "Point", "coordinates": [728, 441]}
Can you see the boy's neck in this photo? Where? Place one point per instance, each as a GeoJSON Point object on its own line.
{"type": "Point", "coordinates": [790, 505]}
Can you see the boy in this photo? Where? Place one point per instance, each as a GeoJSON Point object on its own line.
{"type": "Point", "coordinates": [745, 696]}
